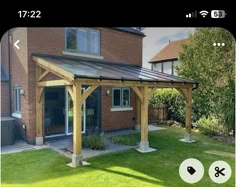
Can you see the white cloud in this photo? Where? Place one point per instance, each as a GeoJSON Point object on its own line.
{"type": "Point", "coordinates": [157, 38]}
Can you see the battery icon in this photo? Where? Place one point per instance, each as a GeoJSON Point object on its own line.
{"type": "Point", "coordinates": [218, 14]}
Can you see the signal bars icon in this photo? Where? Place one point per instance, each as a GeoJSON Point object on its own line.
{"type": "Point", "coordinates": [192, 15]}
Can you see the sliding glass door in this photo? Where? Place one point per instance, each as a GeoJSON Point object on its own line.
{"type": "Point", "coordinates": [69, 115]}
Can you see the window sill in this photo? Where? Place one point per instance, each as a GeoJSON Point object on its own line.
{"type": "Point", "coordinates": [121, 109]}
{"type": "Point", "coordinates": [81, 55]}
{"type": "Point", "coordinates": [16, 115]}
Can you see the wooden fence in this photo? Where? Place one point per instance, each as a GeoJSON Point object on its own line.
{"type": "Point", "coordinates": [157, 112]}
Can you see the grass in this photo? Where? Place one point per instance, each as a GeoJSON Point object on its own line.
{"type": "Point", "coordinates": [127, 168]}
{"type": "Point", "coordinates": [131, 139]}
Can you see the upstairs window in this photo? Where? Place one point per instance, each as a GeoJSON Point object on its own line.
{"type": "Point", "coordinates": [83, 40]}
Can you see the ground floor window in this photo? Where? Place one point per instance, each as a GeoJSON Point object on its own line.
{"type": "Point", "coordinates": [17, 103]}
{"type": "Point", "coordinates": [120, 97]}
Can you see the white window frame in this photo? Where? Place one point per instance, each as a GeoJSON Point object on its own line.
{"type": "Point", "coordinates": [121, 107]}
{"type": "Point", "coordinates": [122, 99]}
{"type": "Point", "coordinates": [175, 64]}
{"type": "Point", "coordinates": [170, 64]}
{"type": "Point", "coordinates": [17, 102]}
{"type": "Point", "coordinates": [88, 53]}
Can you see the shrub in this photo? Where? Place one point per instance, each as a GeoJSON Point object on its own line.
{"type": "Point", "coordinates": [131, 140]}
{"type": "Point", "coordinates": [94, 141]}
{"type": "Point", "coordinates": [174, 102]}
{"type": "Point", "coordinates": [226, 105]}
{"type": "Point", "coordinates": [210, 126]}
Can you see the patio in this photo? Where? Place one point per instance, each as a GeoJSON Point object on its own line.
{"type": "Point", "coordinates": [65, 146]}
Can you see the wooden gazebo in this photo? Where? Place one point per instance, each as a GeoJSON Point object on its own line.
{"type": "Point", "coordinates": [73, 73]}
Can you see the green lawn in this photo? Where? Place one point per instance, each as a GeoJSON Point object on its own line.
{"type": "Point", "coordinates": [128, 168]}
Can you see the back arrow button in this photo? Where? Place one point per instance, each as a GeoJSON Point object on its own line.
{"type": "Point", "coordinates": [16, 44]}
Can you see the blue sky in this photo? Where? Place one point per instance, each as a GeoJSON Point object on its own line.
{"type": "Point", "coordinates": [158, 37]}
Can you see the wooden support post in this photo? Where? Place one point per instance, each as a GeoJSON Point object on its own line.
{"type": "Point", "coordinates": [144, 115]}
{"type": "Point", "coordinates": [77, 121]}
{"type": "Point", "coordinates": [144, 144]}
{"type": "Point", "coordinates": [187, 93]}
{"type": "Point", "coordinates": [138, 113]}
{"type": "Point", "coordinates": [39, 110]}
{"type": "Point", "coordinates": [188, 116]}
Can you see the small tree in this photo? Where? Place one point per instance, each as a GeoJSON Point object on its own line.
{"type": "Point", "coordinates": [211, 65]}
{"type": "Point", "coordinates": [226, 105]}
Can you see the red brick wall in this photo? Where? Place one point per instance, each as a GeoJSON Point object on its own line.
{"type": "Point", "coordinates": [116, 119]}
{"type": "Point", "coordinates": [5, 109]}
{"type": "Point", "coordinates": [116, 46]}
{"type": "Point", "coordinates": [19, 76]}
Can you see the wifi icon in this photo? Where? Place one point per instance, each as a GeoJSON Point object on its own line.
{"type": "Point", "coordinates": [203, 13]}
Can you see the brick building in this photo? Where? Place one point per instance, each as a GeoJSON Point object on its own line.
{"type": "Point", "coordinates": [106, 109]}
{"type": "Point", "coordinates": [80, 80]}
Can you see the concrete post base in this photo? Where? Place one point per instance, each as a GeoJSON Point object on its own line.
{"type": "Point", "coordinates": [188, 138]}
{"type": "Point", "coordinates": [39, 140]}
{"type": "Point", "coordinates": [144, 147]}
{"type": "Point", "coordinates": [76, 160]}
{"type": "Point", "coordinates": [137, 127]}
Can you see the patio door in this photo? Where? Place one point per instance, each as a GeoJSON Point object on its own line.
{"type": "Point", "coordinates": [69, 114]}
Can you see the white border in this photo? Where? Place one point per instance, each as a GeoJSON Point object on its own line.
{"type": "Point", "coordinates": [81, 55]}
{"type": "Point", "coordinates": [121, 109]}
{"type": "Point", "coordinates": [16, 115]}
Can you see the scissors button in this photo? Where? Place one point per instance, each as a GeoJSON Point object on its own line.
{"type": "Point", "coordinates": [220, 172]}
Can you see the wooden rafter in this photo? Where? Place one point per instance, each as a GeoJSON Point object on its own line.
{"type": "Point", "coordinates": [87, 92]}
{"type": "Point", "coordinates": [40, 93]}
{"type": "Point", "coordinates": [43, 75]}
{"type": "Point", "coordinates": [70, 90]}
{"type": "Point", "coordinates": [138, 93]}
{"type": "Point", "coordinates": [54, 83]}
{"type": "Point", "coordinates": [54, 72]}
{"type": "Point", "coordinates": [151, 91]}
{"type": "Point", "coordinates": [53, 68]}
{"type": "Point", "coordinates": [184, 93]}
{"type": "Point", "coordinates": [133, 83]}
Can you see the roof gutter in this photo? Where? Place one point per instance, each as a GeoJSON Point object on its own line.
{"type": "Point", "coordinates": [140, 80]}
{"type": "Point", "coordinates": [196, 86]}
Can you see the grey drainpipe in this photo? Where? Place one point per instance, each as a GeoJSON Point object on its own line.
{"type": "Point", "coordinates": [9, 71]}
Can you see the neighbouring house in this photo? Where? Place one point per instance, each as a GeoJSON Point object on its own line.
{"type": "Point", "coordinates": [66, 81]}
{"type": "Point", "coordinates": [167, 59]}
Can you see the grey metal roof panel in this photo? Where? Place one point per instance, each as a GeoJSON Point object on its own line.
{"type": "Point", "coordinates": [4, 75]}
{"type": "Point", "coordinates": [81, 68]}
